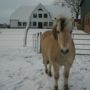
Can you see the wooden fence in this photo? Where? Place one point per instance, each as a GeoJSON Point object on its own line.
{"type": "Point", "coordinates": [81, 40]}
{"type": "Point", "coordinates": [15, 37]}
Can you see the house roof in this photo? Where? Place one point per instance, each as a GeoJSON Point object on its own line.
{"type": "Point", "coordinates": [23, 13]}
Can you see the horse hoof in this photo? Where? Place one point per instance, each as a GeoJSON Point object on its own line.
{"type": "Point", "coordinates": [50, 74]}
{"type": "Point", "coordinates": [46, 71]}
{"type": "Point", "coordinates": [56, 88]}
{"type": "Point", "coordinates": [66, 87]}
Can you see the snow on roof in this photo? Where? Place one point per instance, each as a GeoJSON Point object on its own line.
{"type": "Point", "coordinates": [24, 12]}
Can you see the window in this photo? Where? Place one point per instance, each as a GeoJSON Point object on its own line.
{"type": "Point", "coordinates": [19, 23]}
{"type": "Point", "coordinates": [24, 23]}
{"type": "Point", "coordinates": [50, 23]}
{"type": "Point", "coordinates": [45, 15]}
{"type": "Point", "coordinates": [34, 23]}
{"type": "Point", "coordinates": [40, 15]}
{"type": "Point", "coordinates": [45, 23]}
{"type": "Point", "coordinates": [35, 15]}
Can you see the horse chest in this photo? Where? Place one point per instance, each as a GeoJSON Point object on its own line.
{"type": "Point", "coordinates": [62, 59]}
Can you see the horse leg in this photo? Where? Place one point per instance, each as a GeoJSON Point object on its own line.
{"type": "Point", "coordinates": [45, 64]}
{"type": "Point", "coordinates": [56, 75]}
{"type": "Point", "coordinates": [49, 73]}
{"type": "Point", "coordinates": [66, 76]}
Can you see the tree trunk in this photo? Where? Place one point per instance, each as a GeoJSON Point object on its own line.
{"type": "Point", "coordinates": [26, 33]}
{"type": "Point", "coordinates": [77, 16]}
{"type": "Point", "coordinates": [25, 38]}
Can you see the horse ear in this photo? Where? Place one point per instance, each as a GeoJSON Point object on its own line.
{"type": "Point", "coordinates": [54, 28]}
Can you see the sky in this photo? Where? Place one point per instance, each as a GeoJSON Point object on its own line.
{"type": "Point", "coordinates": [7, 7]}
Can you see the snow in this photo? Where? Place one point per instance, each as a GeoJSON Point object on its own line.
{"type": "Point", "coordinates": [21, 68]}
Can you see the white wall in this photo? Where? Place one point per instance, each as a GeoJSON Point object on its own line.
{"type": "Point", "coordinates": [13, 23]}
{"type": "Point", "coordinates": [44, 11]}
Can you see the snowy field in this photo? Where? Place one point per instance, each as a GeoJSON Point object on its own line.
{"type": "Point", "coordinates": [21, 68]}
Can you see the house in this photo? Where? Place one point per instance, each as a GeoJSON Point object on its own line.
{"type": "Point", "coordinates": [39, 16]}
{"type": "Point", "coordinates": [4, 25]}
{"type": "Point", "coordinates": [85, 14]}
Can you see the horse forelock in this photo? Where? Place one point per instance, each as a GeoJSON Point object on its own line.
{"type": "Point", "coordinates": [62, 24]}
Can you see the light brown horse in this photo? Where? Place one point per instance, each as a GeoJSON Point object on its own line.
{"type": "Point", "coordinates": [58, 49]}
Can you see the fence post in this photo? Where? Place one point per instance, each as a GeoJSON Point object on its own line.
{"type": "Point", "coordinates": [33, 41]}
{"type": "Point", "coordinates": [36, 42]}
{"type": "Point", "coordinates": [40, 41]}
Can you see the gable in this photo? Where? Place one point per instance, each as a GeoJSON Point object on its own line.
{"type": "Point", "coordinates": [40, 9]}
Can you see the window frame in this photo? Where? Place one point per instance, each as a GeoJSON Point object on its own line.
{"type": "Point", "coordinates": [39, 15]}
{"type": "Point", "coordinates": [45, 23]}
{"type": "Point", "coordinates": [34, 23]}
{"type": "Point", "coordinates": [46, 15]}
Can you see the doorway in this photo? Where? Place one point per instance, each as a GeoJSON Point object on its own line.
{"type": "Point", "coordinates": [39, 24]}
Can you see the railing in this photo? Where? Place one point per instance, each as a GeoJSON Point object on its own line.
{"type": "Point", "coordinates": [82, 42]}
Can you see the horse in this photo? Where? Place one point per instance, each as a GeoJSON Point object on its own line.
{"type": "Point", "coordinates": [58, 49]}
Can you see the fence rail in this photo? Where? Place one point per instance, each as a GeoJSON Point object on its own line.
{"type": "Point", "coordinates": [15, 37]}
{"type": "Point", "coordinates": [81, 40]}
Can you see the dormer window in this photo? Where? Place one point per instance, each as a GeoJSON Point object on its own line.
{"type": "Point", "coordinates": [40, 9]}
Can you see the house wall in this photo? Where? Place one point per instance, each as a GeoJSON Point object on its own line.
{"type": "Point", "coordinates": [85, 15]}
{"type": "Point", "coordinates": [13, 23]}
{"type": "Point", "coordinates": [17, 24]}
{"type": "Point", "coordinates": [87, 22]}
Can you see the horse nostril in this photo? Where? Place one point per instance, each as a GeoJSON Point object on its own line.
{"type": "Point", "coordinates": [64, 50]}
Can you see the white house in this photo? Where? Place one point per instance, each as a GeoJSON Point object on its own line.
{"type": "Point", "coordinates": [39, 16]}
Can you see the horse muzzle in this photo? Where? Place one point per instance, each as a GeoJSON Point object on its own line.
{"type": "Point", "coordinates": [64, 51]}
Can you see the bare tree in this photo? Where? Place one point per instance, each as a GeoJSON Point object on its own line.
{"type": "Point", "coordinates": [75, 6]}
{"type": "Point", "coordinates": [26, 32]}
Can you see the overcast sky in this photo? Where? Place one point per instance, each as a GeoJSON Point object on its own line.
{"type": "Point", "coordinates": [9, 6]}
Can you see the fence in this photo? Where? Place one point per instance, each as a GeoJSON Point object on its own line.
{"type": "Point", "coordinates": [81, 40]}
{"type": "Point", "coordinates": [15, 37]}
{"type": "Point", "coordinates": [36, 41]}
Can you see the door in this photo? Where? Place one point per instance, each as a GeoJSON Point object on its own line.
{"type": "Point", "coordinates": [39, 24]}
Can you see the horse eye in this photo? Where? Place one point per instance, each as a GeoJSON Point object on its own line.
{"type": "Point", "coordinates": [71, 32]}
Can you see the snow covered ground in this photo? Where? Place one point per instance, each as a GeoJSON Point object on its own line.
{"type": "Point", "coordinates": [21, 68]}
